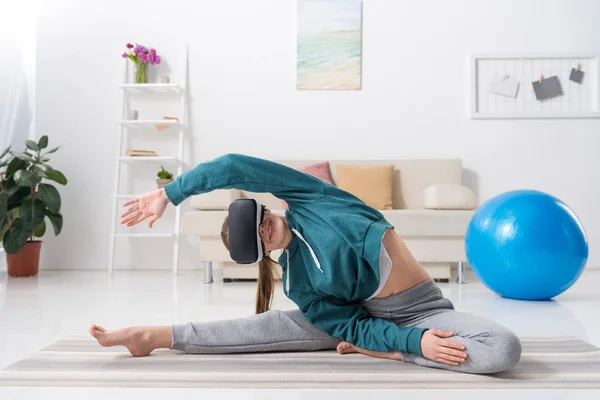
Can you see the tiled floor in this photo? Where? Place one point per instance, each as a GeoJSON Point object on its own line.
{"type": "Point", "coordinates": [35, 312]}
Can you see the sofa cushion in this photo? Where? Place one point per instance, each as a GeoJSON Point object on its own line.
{"type": "Point", "coordinates": [318, 170]}
{"type": "Point", "coordinates": [448, 196]}
{"type": "Point", "coordinates": [371, 184]}
{"type": "Point", "coordinates": [429, 223]}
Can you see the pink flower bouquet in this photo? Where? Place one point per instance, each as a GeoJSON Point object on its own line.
{"type": "Point", "coordinates": [141, 57]}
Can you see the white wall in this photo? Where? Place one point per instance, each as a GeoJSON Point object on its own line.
{"type": "Point", "coordinates": [413, 103]}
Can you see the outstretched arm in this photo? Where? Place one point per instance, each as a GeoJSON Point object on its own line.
{"type": "Point", "coordinates": [231, 171]}
{"type": "Point", "coordinates": [237, 171]}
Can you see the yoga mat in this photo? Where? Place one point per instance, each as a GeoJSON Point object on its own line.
{"type": "Point", "coordinates": [81, 362]}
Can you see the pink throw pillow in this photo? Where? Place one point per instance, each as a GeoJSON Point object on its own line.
{"type": "Point", "coordinates": [318, 170]}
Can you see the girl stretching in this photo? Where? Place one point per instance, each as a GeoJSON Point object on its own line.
{"type": "Point", "coordinates": [357, 286]}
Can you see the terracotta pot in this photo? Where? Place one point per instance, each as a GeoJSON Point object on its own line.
{"type": "Point", "coordinates": [162, 182]}
{"type": "Point", "coordinates": [26, 261]}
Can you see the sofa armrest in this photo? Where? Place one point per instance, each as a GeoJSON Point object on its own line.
{"type": "Point", "coordinates": [219, 199]}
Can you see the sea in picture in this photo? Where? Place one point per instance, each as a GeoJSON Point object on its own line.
{"type": "Point", "coordinates": [329, 44]}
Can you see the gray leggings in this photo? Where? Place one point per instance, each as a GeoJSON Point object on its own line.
{"type": "Point", "coordinates": [490, 347]}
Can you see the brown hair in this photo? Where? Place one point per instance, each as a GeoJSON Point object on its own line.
{"type": "Point", "coordinates": [266, 275]}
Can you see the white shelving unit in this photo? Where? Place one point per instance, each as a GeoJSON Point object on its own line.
{"type": "Point", "coordinates": [123, 126]}
{"type": "Point", "coordinates": [157, 87]}
{"type": "Point", "coordinates": [133, 159]}
{"type": "Point", "coordinates": [148, 124]}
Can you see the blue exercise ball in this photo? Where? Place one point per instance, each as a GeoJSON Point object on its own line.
{"type": "Point", "coordinates": [526, 245]}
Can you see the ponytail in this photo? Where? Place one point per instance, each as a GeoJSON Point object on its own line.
{"type": "Point", "coordinates": [266, 284]}
{"type": "Point", "coordinates": [266, 275]}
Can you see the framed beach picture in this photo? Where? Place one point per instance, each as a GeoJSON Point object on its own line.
{"type": "Point", "coordinates": [329, 49]}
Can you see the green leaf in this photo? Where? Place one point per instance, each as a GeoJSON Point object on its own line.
{"type": "Point", "coordinates": [5, 152]}
{"type": "Point", "coordinates": [32, 213]}
{"type": "Point", "coordinates": [45, 168]}
{"type": "Point", "coordinates": [16, 236]}
{"type": "Point", "coordinates": [40, 230]}
{"type": "Point", "coordinates": [23, 156]}
{"type": "Point", "coordinates": [50, 196]}
{"type": "Point", "coordinates": [14, 214]}
{"type": "Point", "coordinates": [57, 177]}
{"type": "Point", "coordinates": [40, 174]}
{"type": "Point", "coordinates": [57, 221]}
{"type": "Point", "coordinates": [43, 142]}
{"type": "Point", "coordinates": [18, 196]}
{"type": "Point", "coordinates": [3, 206]}
{"type": "Point", "coordinates": [11, 191]}
{"type": "Point", "coordinates": [32, 145]}
{"type": "Point", "coordinates": [3, 229]}
{"type": "Point", "coordinates": [52, 151]}
{"type": "Point", "coordinates": [24, 178]}
{"type": "Point", "coordinates": [45, 159]}
{"type": "Point", "coordinates": [18, 175]}
{"type": "Point", "coordinates": [15, 165]}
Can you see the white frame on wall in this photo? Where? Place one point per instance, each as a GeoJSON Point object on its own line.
{"type": "Point", "coordinates": [525, 108]}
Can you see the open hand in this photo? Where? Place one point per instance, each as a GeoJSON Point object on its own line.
{"type": "Point", "coordinates": [150, 205]}
{"type": "Point", "coordinates": [441, 350]}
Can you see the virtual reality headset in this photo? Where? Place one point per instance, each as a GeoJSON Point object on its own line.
{"type": "Point", "coordinates": [245, 217]}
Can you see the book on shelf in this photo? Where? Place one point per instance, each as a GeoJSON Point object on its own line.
{"type": "Point", "coordinates": [161, 127]}
{"type": "Point", "coordinates": [134, 152]}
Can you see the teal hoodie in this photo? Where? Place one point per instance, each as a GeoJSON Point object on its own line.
{"type": "Point", "coordinates": [332, 262]}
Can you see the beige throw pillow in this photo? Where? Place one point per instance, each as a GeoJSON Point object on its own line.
{"type": "Point", "coordinates": [373, 185]}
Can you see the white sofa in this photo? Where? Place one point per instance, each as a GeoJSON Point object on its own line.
{"type": "Point", "coordinates": [434, 236]}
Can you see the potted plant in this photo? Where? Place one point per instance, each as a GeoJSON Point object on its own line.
{"type": "Point", "coordinates": [164, 177]}
{"type": "Point", "coordinates": [26, 202]}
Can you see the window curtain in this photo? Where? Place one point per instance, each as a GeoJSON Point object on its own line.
{"type": "Point", "coordinates": [17, 73]}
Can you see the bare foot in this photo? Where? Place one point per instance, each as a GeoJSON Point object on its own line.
{"type": "Point", "coordinates": [137, 340]}
{"type": "Point", "coordinates": [348, 348]}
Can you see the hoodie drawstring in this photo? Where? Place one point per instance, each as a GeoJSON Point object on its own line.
{"type": "Point", "coordinates": [312, 253]}
{"type": "Point", "coordinates": [287, 252]}
{"type": "Point", "coordinates": [287, 279]}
